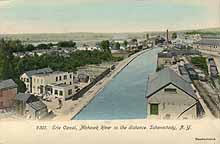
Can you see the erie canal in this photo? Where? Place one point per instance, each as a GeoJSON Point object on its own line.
{"type": "Point", "coordinates": [124, 96]}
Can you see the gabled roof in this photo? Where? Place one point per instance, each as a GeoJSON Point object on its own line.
{"type": "Point", "coordinates": [37, 105]}
{"type": "Point", "coordinates": [39, 71]}
{"type": "Point", "coordinates": [5, 84]}
{"type": "Point", "coordinates": [26, 97]}
{"type": "Point", "coordinates": [165, 77]}
{"type": "Point", "coordinates": [23, 97]}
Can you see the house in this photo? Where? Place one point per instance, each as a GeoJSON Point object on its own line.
{"type": "Point", "coordinates": [87, 48]}
{"type": "Point", "coordinates": [8, 91]}
{"type": "Point", "coordinates": [30, 107]}
{"type": "Point", "coordinates": [27, 77]}
{"type": "Point", "coordinates": [169, 96]}
{"type": "Point", "coordinates": [57, 84]}
{"type": "Point", "coordinates": [22, 99]}
{"type": "Point", "coordinates": [37, 110]}
{"type": "Point", "coordinates": [19, 54]}
{"type": "Point", "coordinates": [84, 78]}
{"type": "Point", "coordinates": [132, 45]}
{"type": "Point", "coordinates": [62, 91]}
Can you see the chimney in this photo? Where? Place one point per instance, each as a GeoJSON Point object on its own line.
{"type": "Point", "coordinates": [167, 36]}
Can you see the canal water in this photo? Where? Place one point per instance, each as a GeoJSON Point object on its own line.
{"type": "Point", "coordinates": [124, 96]}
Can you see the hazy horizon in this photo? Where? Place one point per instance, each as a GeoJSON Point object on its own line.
{"type": "Point", "coordinates": [102, 16]}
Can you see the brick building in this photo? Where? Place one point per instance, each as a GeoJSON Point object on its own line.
{"type": "Point", "coordinates": [8, 92]}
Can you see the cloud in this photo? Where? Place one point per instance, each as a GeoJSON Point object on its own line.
{"type": "Point", "coordinates": [4, 3]}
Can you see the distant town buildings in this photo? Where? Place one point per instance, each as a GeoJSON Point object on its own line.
{"type": "Point", "coordinates": [8, 92]}
{"type": "Point", "coordinates": [169, 96]}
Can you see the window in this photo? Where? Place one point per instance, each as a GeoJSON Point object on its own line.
{"type": "Point", "coordinates": [56, 78]}
{"type": "Point", "coordinates": [154, 109]}
{"type": "Point", "coordinates": [170, 90]}
{"type": "Point", "coordinates": [65, 77]}
{"type": "Point", "coordinates": [61, 93]}
{"type": "Point", "coordinates": [70, 83]}
{"type": "Point", "coordinates": [60, 78]}
{"type": "Point", "coordinates": [70, 76]}
{"type": "Point", "coordinates": [27, 80]}
{"type": "Point", "coordinates": [70, 91]}
{"type": "Point", "coordinates": [56, 92]}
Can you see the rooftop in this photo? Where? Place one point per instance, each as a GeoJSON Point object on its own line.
{"type": "Point", "coordinates": [165, 77]}
{"type": "Point", "coordinates": [50, 73]}
{"type": "Point", "coordinates": [37, 105]}
{"type": "Point", "coordinates": [39, 71]}
{"type": "Point", "coordinates": [209, 42]}
{"type": "Point", "coordinates": [4, 84]}
{"type": "Point", "coordinates": [25, 97]}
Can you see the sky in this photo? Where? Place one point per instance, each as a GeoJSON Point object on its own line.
{"type": "Point", "coordinates": [61, 16]}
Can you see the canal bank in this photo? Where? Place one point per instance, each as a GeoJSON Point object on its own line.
{"type": "Point", "coordinates": [124, 96]}
{"type": "Point", "coordinates": [72, 108]}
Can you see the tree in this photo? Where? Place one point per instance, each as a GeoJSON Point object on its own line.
{"type": "Point", "coordinates": [125, 43]}
{"type": "Point", "coordinates": [134, 40]}
{"type": "Point", "coordinates": [66, 44]}
{"type": "Point", "coordinates": [147, 36]}
{"type": "Point", "coordinates": [117, 45]}
{"type": "Point", "coordinates": [6, 68]}
{"type": "Point", "coordinates": [43, 46]}
{"type": "Point", "coordinates": [29, 47]}
{"type": "Point", "coordinates": [174, 35]}
{"type": "Point", "coordinates": [105, 46]}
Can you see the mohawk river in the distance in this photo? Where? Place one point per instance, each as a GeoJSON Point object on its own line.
{"type": "Point", "coordinates": [124, 96]}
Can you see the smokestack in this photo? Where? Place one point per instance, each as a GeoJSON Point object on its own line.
{"type": "Point", "coordinates": [167, 35]}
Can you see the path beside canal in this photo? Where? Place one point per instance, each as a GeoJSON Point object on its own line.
{"type": "Point", "coordinates": [72, 108]}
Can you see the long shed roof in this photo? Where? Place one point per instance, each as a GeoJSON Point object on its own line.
{"type": "Point", "coordinates": [165, 77]}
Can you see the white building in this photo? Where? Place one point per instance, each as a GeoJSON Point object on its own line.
{"type": "Point", "coordinates": [169, 96]}
{"type": "Point", "coordinates": [63, 91]}
{"type": "Point", "coordinates": [46, 82]}
{"type": "Point", "coordinates": [41, 81]}
{"type": "Point", "coordinates": [27, 77]}
{"type": "Point", "coordinates": [88, 48]}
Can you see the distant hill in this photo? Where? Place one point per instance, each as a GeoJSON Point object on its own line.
{"type": "Point", "coordinates": [54, 37]}
{"type": "Point", "coordinates": [93, 37]}
{"type": "Point", "coordinates": [208, 31]}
